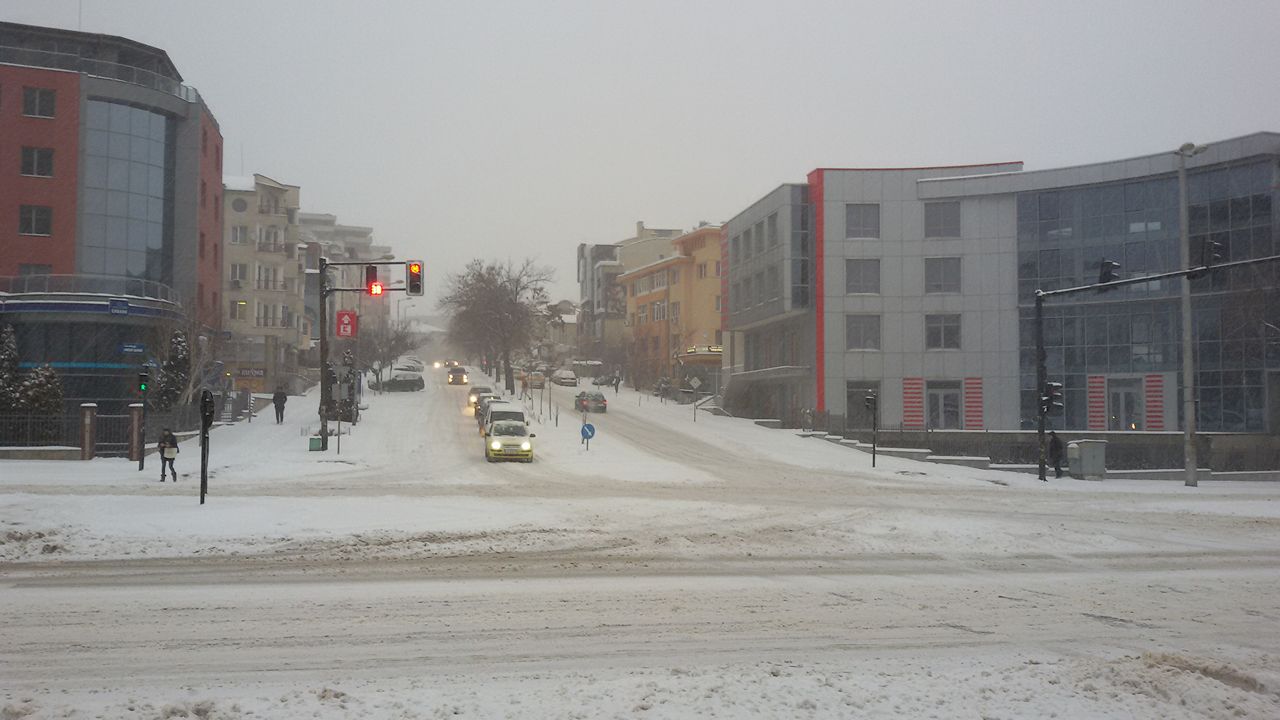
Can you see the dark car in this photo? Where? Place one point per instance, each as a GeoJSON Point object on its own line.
{"type": "Point", "coordinates": [458, 376]}
{"type": "Point", "coordinates": [590, 401]}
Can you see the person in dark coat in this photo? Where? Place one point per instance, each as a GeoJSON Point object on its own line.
{"type": "Point", "coordinates": [1055, 453]}
{"type": "Point", "coordinates": [617, 382]}
{"type": "Point", "coordinates": [168, 447]}
{"type": "Point", "coordinates": [279, 399]}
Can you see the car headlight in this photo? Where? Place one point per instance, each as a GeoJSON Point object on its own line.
{"type": "Point", "coordinates": [495, 445]}
{"type": "Point", "coordinates": [464, 378]}
{"type": "Point", "coordinates": [473, 398]}
{"type": "Point", "coordinates": [526, 445]}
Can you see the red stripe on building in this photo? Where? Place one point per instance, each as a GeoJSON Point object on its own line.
{"type": "Point", "coordinates": [973, 403]}
{"type": "Point", "coordinates": [1153, 386]}
{"type": "Point", "coordinates": [913, 403]}
{"type": "Point", "coordinates": [1097, 388]}
{"type": "Point", "coordinates": [819, 304]}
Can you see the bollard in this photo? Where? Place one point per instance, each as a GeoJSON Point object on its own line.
{"type": "Point", "coordinates": [88, 430]}
{"type": "Point", "coordinates": [136, 440]}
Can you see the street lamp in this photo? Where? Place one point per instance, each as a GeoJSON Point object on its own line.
{"type": "Point", "coordinates": [1188, 374]}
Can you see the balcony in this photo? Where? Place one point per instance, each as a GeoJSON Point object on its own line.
{"type": "Point", "coordinates": [88, 285]}
{"type": "Point", "coordinates": [97, 68]}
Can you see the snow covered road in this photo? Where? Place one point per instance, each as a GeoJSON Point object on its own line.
{"type": "Point", "coordinates": [675, 569]}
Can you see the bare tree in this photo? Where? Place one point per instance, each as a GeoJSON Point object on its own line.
{"type": "Point", "coordinates": [382, 345]}
{"type": "Point", "coordinates": [494, 307]}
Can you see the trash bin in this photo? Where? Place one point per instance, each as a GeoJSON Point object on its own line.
{"type": "Point", "coordinates": [1087, 459]}
{"type": "Point", "coordinates": [316, 443]}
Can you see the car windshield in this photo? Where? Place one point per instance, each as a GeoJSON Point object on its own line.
{"type": "Point", "coordinates": [594, 396]}
{"type": "Point", "coordinates": [497, 415]}
{"type": "Point", "coordinates": [510, 429]}
{"type": "Point", "coordinates": [478, 389]}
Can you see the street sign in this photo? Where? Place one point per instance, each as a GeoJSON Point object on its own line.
{"type": "Point", "coordinates": [118, 306]}
{"type": "Point", "coordinates": [347, 324]}
{"type": "Point", "coordinates": [588, 431]}
{"type": "Point", "coordinates": [133, 348]}
{"type": "Point", "coordinates": [695, 383]}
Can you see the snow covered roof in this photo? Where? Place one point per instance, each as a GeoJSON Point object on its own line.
{"type": "Point", "coordinates": [239, 183]}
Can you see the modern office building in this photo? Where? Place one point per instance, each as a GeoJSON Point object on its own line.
{"type": "Point", "coordinates": [110, 204]}
{"type": "Point", "coordinates": [264, 283]}
{"type": "Point", "coordinates": [918, 285]}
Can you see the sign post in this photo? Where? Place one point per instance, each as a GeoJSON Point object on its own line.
{"type": "Point", "coordinates": [695, 383]}
{"type": "Point", "coordinates": [348, 324]}
{"type": "Point", "coordinates": [206, 422]}
{"type": "Point", "coordinates": [588, 432]}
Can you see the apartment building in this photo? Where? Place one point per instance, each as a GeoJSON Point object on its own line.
{"type": "Point", "coordinates": [264, 282]}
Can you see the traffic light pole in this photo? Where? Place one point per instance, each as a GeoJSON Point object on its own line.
{"type": "Point", "coordinates": [326, 392]}
{"type": "Point", "coordinates": [1188, 387]}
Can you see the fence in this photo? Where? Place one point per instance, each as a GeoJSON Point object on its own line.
{"type": "Point", "coordinates": [113, 436]}
{"type": "Point", "coordinates": [23, 430]}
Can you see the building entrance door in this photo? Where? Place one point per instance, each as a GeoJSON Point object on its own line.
{"type": "Point", "coordinates": [1124, 404]}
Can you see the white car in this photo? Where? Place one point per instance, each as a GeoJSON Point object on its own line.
{"type": "Point", "coordinates": [564, 377]}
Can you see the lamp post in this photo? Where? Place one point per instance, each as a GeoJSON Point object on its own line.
{"type": "Point", "coordinates": [1188, 369]}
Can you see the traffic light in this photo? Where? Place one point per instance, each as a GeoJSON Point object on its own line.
{"type": "Point", "coordinates": [144, 381]}
{"type": "Point", "coordinates": [870, 401]}
{"type": "Point", "coordinates": [1052, 397]}
{"type": "Point", "coordinates": [371, 282]}
{"type": "Point", "coordinates": [413, 277]}
{"type": "Point", "coordinates": [1109, 272]}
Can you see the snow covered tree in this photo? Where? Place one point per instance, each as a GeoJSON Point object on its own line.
{"type": "Point", "coordinates": [8, 369]}
{"type": "Point", "coordinates": [174, 374]}
{"type": "Point", "coordinates": [40, 392]}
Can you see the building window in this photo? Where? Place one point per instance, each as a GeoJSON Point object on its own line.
{"type": "Point", "coordinates": [719, 337]}
{"type": "Point", "coordinates": [239, 271]}
{"type": "Point", "coordinates": [675, 276]}
{"type": "Point", "coordinates": [717, 268]}
{"type": "Point", "coordinates": [759, 237]}
{"type": "Point", "coordinates": [37, 162]}
{"type": "Point", "coordinates": [34, 269]}
{"type": "Point", "coordinates": [942, 332]}
{"type": "Point", "coordinates": [239, 234]}
{"type": "Point", "coordinates": [942, 219]}
{"type": "Point", "coordinates": [35, 220]}
{"type": "Point", "coordinates": [239, 309]}
{"type": "Point", "coordinates": [659, 311]}
{"type": "Point", "coordinates": [719, 303]}
{"type": "Point", "coordinates": [943, 398]}
{"type": "Point", "coordinates": [862, 220]}
{"type": "Point", "coordinates": [942, 275]}
{"type": "Point", "coordinates": [642, 314]}
{"type": "Point", "coordinates": [734, 246]}
{"type": "Point", "coordinates": [702, 270]}
{"type": "Point", "coordinates": [37, 102]}
{"type": "Point", "coordinates": [675, 313]}
{"type": "Point", "coordinates": [862, 332]}
{"type": "Point", "coordinates": [773, 229]}
{"type": "Point", "coordinates": [862, 276]}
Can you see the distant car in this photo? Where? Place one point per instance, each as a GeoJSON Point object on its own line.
{"type": "Point", "coordinates": [590, 401]}
{"type": "Point", "coordinates": [476, 391]}
{"type": "Point", "coordinates": [602, 380]}
{"type": "Point", "coordinates": [508, 440]}
{"type": "Point", "coordinates": [400, 380]}
{"type": "Point", "coordinates": [458, 376]}
{"type": "Point", "coordinates": [565, 378]}
{"type": "Point", "coordinates": [482, 404]}
{"type": "Point", "coordinates": [537, 380]}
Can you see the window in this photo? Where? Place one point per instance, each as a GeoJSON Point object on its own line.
{"type": "Point", "coordinates": [862, 277]}
{"type": "Point", "coordinates": [943, 397]}
{"type": "Point", "coordinates": [717, 268]}
{"type": "Point", "coordinates": [759, 236]}
{"type": "Point", "coordinates": [862, 220]}
{"type": "Point", "coordinates": [942, 219]}
{"type": "Point", "coordinates": [35, 220]}
{"type": "Point", "coordinates": [719, 303]}
{"type": "Point", "coordinates": [675, 276]}
{"type": "Point", "coordinates": [675, 313]}
{"type": "Point", "coordinates": [239, 234]}
{"type": "Point", "coordinates": [34, 269]}
{"type": "Point", "coordinates": [733, 248]}
{"type": "Point", "coordinates": [773, 230]}
{"type": "Point", "coordinates": [942, 332]}
{"type": "Point", "coordinates": [862, 332]}
{"type": "Point", "coordinates": [659, 310]}
{"type": "Point", "coordinates": [702, 270]}
{"type": "Point", "coordinates": [772, 283]}
{"type": "Point", "coordinates": [239, 309]}
{"type": "Point", "coordinates": [642, 314]}
{"type": "Point", "coordinates": [239, 271]}
{"type": "Point", "coordinates": [942, 275]}
{"type": "Point", "coordinates": [746, 244]}
{"type": "Point", "coordinates": [37, 162]}
{"type": "Point", "coordinates": [37, 102]}
{"type": "Point", "coordinates": [719, 337]}
{"type": "Point", "coordinates": [660, 279]}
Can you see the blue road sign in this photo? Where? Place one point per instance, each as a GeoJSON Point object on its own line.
{"type": "Point", "coordinates": [133, 348]}
{"type": "Point", "coordinates": [588, 431]}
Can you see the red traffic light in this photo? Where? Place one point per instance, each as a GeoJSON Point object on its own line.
{"type": "Point", "coordinates": [375, 288]}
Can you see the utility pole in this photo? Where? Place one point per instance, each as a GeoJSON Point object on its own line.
{"type": "Point", "coordinates": [324, 353]}
{"type": "Point", "coordinates": [1190, 461]}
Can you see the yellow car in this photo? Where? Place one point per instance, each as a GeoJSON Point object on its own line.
{"type": "Point", "coordinates": [508, 440]}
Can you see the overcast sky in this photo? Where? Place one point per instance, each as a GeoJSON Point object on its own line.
{"type": "Point", "coordinates": [512, 130]}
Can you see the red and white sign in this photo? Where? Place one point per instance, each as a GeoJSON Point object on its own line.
{"type": "Point", "coordinates": [347, 324]}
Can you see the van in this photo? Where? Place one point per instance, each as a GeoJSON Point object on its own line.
{"type": "Point", "coordinates": [502, 410]}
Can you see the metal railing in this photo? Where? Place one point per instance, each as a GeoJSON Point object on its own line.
{"type": "Point", "coordinates": [98, 68]}
{"type": "Point", "coordinates": [89, 285]}
{"type": "Point", "coordinates": [25, 430]}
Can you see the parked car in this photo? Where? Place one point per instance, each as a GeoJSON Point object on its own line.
{"type": "Point", "coordinates": [602, 380]}
{"type": "Point", "coordinates": [537, 380]}
{"type": "Point", "coordinates": [458, 376]}
{"type": "Point", "coordinates": [476, 391]}
{"type": "Point", "coordinates": [508, 440]}
{"type": "Point", "coordinates": [400, 380]}
{"type": "Point", "coordinates": [482, 404]}
{"type": "Point", "coordinates": [564, 377]}
{"type": "Point", "coordinates": [590, 401]}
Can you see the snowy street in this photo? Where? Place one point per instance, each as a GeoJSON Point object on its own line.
{"type": "Point", "coordinates": [675, 569]}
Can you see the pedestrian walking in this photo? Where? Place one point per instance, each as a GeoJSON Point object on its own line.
{"type": "Point", "coordinates": [617, 382]}
{"type": "Point", "coordinates": [279, 399]}
{"type": "Point", "coordinates": [1055, 453]}
{"type": "Point", "coordinates": [168, 447]}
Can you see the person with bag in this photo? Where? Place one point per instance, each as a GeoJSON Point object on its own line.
{"type": "Point", "coordinates": [168, 447]}
{"type": "Point", "coordinates": [279, 399]}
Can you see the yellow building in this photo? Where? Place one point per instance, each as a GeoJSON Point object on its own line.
{"type": "Point", "coordinates": [673, 313]}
